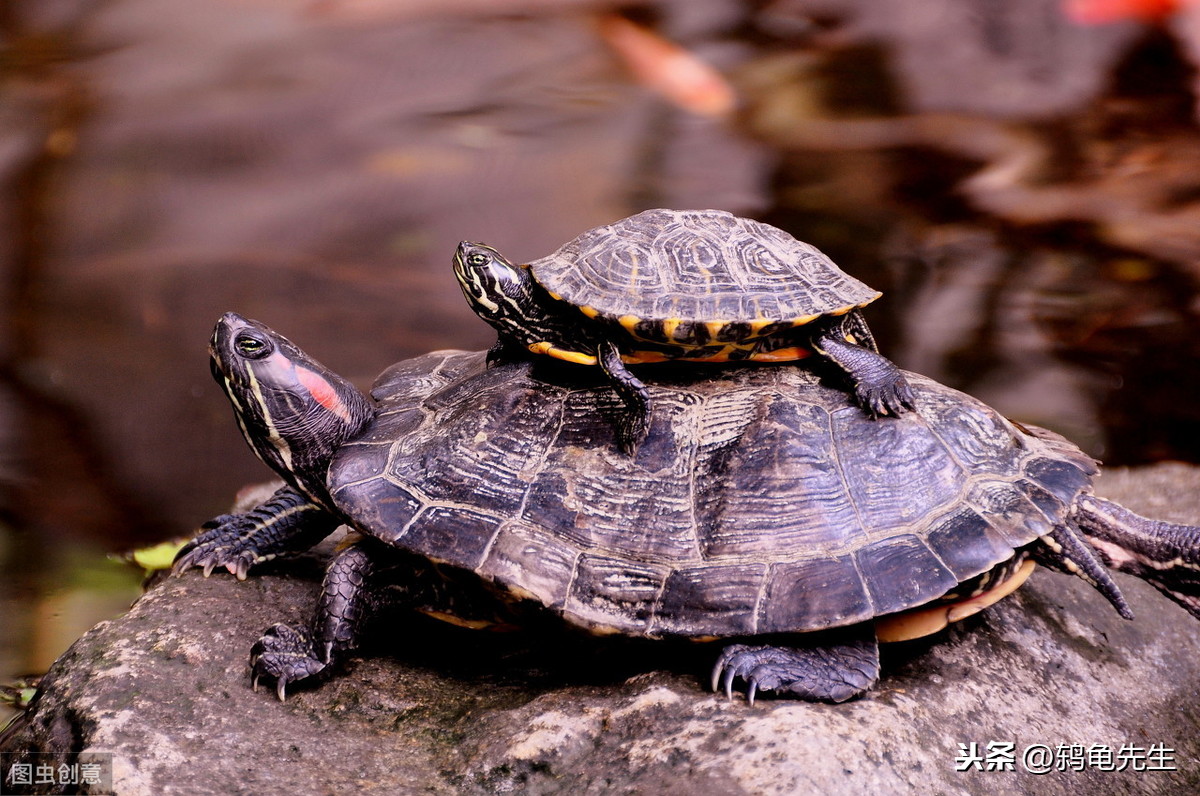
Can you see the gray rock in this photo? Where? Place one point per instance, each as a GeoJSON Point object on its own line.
{"type": "Point", "coordinates": [442, 710]}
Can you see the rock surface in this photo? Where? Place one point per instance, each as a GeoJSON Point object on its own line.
{"type": "Point", "coordinates": [441, 710]}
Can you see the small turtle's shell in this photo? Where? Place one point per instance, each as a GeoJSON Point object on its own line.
{"type": "Point", "coordinates": [760, 502]}
{"type": "Point", "coordinates": [696, 266]}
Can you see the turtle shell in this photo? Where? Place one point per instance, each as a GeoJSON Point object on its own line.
{"type": "Point", "coordinates": [697, 266]}
{"type": "Point", "coordinates": [760, 502]}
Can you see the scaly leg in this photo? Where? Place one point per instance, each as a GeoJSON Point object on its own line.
{"type": "Point", "coordinates": [287, 654]}
{"type": "Point", "coordinates": [635, 422]}
{"type": "Point", "coordinates": [365, 580]}
{"type": "Point", "coordinates": [288, 522]}
{"type": "Point", "coordinates": [1166, 555]}
{"type": "Point", "coordinates": [879, 386]}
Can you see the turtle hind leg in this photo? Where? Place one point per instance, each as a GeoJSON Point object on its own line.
{"type": "Point", "coordinates": [1066, 550]}
{"type": "Point", "coordinates": [1166, 555]}
{"type": "Point", "coordinates": [879, 386]}
{"type": "Point", "coordinates": [634, 422]}
{"type": "Point", "coordinates": [841, 665]}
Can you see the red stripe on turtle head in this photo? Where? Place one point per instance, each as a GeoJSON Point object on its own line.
{"type": "Point", "coordinates": [323, 392]}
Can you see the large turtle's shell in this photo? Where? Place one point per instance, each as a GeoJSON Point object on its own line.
{"type": "Point", "coordinates": [697, 266]}
{"type": "Point", "coordinates": [761, 501]}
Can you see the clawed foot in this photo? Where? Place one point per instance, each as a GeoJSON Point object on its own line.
{"type": "Point", "coordinates": [225, 541]}
{"type": "Point", "coordinates": [879, 386]}
{"type": "Point", "coordinates": [632, 430]}
{"type": "Point", "coordinates": [887, 398]}
{"type": "Point", "coordinates": [825, 674]}
{"type": "Point", "coordinates": [287, 523]}
{"type": "Point", "coordinates": [741, 661]}
{"type": "Point", "coordinates": [285, 655]}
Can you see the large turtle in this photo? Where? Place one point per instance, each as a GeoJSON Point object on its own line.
{"type": "Point", "coordinates": [699, 285]}
{"type": "Point", "coordinates": [762, 504]}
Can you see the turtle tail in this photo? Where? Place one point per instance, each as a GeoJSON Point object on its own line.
{"type": "Point", "coordinates": [1166, 555]}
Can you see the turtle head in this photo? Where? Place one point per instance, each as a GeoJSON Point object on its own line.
{"type": "Point", "coordinates": [293, 411]}
{"type": "Point", "coordinates": [496, 289]}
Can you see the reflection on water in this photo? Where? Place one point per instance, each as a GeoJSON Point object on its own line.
{"type": "Point", "coordinates": [1027, 199]}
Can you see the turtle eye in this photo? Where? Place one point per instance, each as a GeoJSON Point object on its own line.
{"type": "Point", "coordinates": [478, 259]}
{"type": "Point", "coordinates": [251, 347]}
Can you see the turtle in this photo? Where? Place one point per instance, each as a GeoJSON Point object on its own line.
{"type": "Point", "coordinates": [763, 512]}
{"type": "Point", "coordinates": [696, 285]}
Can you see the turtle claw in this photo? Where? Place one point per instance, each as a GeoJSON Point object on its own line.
{"type": "Point", "coordinates": [285, 655]}
{"type": "Point", "coordinates": [880, 387]}
{"type": "Point", "coordinates": [211, 554]}
{"type": "Point", "coordinates": [226, 542]}
{"type": "Point", "coordinates": [743, 661]}
{"type": "Point", "coordinates": [832, 673]}
{"type": "Point", "coordinates": [240, 568]}
{"type": "Point", "coordinates": [729, 666]}
{"type": "Point", "coordinates": [280, 686]}
{"type": "Point", "coordinates": [890, 398]}
{"type": "Point", "coordinates": [289, 522]}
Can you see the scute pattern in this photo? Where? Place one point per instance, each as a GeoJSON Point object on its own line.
{"type": "Point", "coordinates": [697, 266]}
{"type": "Point", "coordinates": [761, 501]}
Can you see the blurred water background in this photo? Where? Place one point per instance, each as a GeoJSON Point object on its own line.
{"type": "Point", "coordinates": [1021, 178]}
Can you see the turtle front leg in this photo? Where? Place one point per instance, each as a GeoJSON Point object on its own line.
{"type": "Point", "coordinates": [364, 581]}
{"type": "Point", "coordinates": [1164, 554]}
{"type": "Point", "coordinates": [879, 385]}
{"type": "Point", "coordinates": [635, 421]}
{"type": "Point", "coordinates": [288, 655]}
{"type": "Point", "coordinates": [837, 666]}
{"type": "Point", "coordinates": [288, 522]}
{"type": "Point", "coordinates": [504, 350]}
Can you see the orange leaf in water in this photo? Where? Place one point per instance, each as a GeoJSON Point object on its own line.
{"type": "Point", "coordinates": [665, 67]}
{"type": "Point", "coordinates": [1098, 12]}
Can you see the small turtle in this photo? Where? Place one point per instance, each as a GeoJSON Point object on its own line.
{"type": "Point", "coordinates": [698, 285]}
{"type": "Point", "coordinates": [762, 509]}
